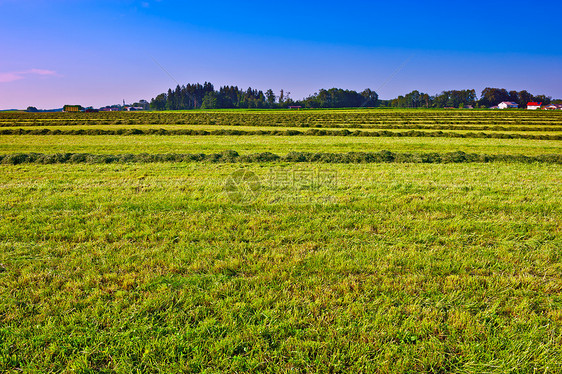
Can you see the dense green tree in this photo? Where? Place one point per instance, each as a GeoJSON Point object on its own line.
{"type": "Point", "coordinates": [270, 98]}
{"type": "Point", "coordinates": [426, 100]}
{"type": "Point", "coordinates": [370, 98]}
{"type": "Point", "coordinates": [523, 97]}
{"type": "Point", "coordinates": [414, 99]}
{"type": "Point", "coordinates": [212, 100]}
{"type": "Point", "coordinates": [514, 96]}
{"type": "Point", "coordinates": [339, 98]}
{"type": "Point", "coordinates": [158, 103]}
{"type": "Point", "coordinates": [542, 99]}
{"type": "Point", "coordinates": [493, 96]}
{"type": "Point", "coordinates": [455, 98]}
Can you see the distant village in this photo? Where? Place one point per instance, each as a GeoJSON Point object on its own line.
{"type": "Point", "coordinates": [141, 105]}
{"type": "Point", "coordinates": [530, 106]}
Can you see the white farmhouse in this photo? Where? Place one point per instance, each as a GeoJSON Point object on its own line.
{"type": "Point", "coordinates": [533, 105]}
{"type": "Point", "coordinates": [507, 105]}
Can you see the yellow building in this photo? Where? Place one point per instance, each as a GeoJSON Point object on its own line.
{"type": "Point", "coordinates": [71, 108]}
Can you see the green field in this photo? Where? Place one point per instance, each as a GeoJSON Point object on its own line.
{"type": "Point", "coordinates": [336, 268]}
{"type": "Point", "coordinates": [114, 144]}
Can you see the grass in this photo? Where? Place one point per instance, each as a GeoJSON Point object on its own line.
{"type": "Point", "coordinates": [336, 268]}
{"type": "Point", "coordinates": [401, 268]}
{"type": "Point", "coordinates": [113, 144]}
{"type": "Point", "coordinates": [295, 118]}
{"type": "Point", "coordinates": [552, 130]}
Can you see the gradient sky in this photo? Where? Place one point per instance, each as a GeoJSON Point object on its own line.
{"type": "Point", "coordinates": [56, 52]}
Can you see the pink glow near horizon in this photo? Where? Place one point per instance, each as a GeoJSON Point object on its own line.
{"type": "Point", "coordinates": [18, 75]}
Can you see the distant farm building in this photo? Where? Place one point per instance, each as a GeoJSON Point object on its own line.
{"type": "Point", "coordinates": [533, 105]}
{"type": "Point", "coordinates": [507, 105]}
{"type": "Point", "coordinates": [71, 108]}
{"type": "Point", "coordinates": [298, 107]}
{"type": "Point", "coordinates": [553, 107]}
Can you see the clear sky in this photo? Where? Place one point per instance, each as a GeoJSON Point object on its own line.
{"type": "Point", "coordinates": [56, 52]}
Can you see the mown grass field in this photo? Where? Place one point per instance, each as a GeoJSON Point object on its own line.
{"type": "Point", "coordinates": [382, 267]}
{"type": "Point", "coordinates": [114, 144]}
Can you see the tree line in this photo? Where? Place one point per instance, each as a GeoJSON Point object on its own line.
{"type": "Point", "coordinates": [463, 98]}
{"type": "Point", "coordinates": [205, 96]}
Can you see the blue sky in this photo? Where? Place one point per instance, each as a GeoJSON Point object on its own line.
{"type": "Point", "coordinates": [97, 53]}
